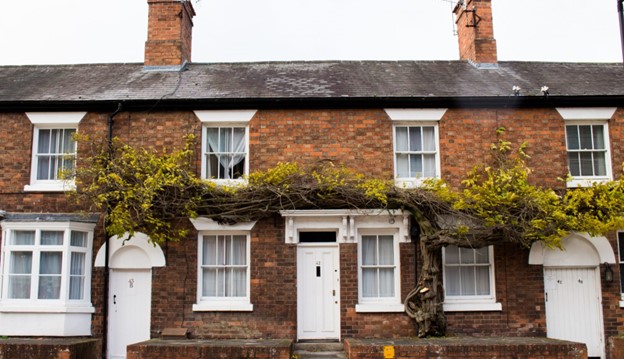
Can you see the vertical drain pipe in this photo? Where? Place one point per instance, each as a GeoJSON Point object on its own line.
{"type": "Point", "coordinates": [111, 117]}
{"type": "Point", "coordinates": [620, 6]}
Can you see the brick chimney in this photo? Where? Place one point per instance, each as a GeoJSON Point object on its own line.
{"type": "Point", "coordinates": [169, 34]}
{"type": "Point", "coordinates": [475, 31]}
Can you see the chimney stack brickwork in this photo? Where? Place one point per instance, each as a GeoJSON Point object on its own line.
{"type": "Point", "coordinates": [476, 33]}
{"type": "Point", "coordinates": [169, 33]}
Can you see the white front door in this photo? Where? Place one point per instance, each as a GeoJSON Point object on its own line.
{"type": "Point", "coordinates": [129, 308]}
{"type": "Point", "coordinates": [573, 307]}
{"type": "Point", "coordinates": [318, 292]}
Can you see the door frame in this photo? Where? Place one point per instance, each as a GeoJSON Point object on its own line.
{"type": "Point", "coordinates": [580, 250]}
{"type": "Point", "coordinates": [335, 249]}
{"type": "Point", "coordinates": [125, 253]}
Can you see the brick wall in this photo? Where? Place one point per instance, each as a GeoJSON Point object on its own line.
{"type": "Point", "coordinates": [361, 139]}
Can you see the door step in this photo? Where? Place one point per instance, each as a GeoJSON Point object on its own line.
{"type": "Point", "coordinates": [319, 350]}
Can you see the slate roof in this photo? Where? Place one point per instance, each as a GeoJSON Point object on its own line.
{"type": "Point", "coordinates": [210, 83]}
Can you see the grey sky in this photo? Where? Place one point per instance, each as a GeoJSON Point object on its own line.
{"type": "Point", "coordinates": [90, 31]}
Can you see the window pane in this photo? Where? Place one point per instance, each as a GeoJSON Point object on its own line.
{"type": "Point", "coordinates": [209, 283]}
{"type": "Point", "coordinates": [23, 238]}
{"type": "Point", "coordinates": [386, 250]}
{"type": "Point", "coordinates": [572, 137]}
{"type": "Point", "coordinates": [467, 277]}
{"type": "Point", "coordinates": [587, 164]}
{"type": "Point", "coordinates": [600, 168]}
{"type": "Point", "coordinates": [221, 251]}
{"type": "Point", "coordinates": [598, 131]}
{"type": "Point", "coordinates": [77, 263]}
{"type": "Point", "coordinates": [21, 263]}
{"type": "Point", "coordinates": [239, 279]}
{"type": "Point", "coordinates": [19, 287]}
{"type": "Point", "coordinates": [44, 172]}
{"type": "Point", "coordinates": [429, 168]}
{"type": "Point", "coordinates": [225, 140]}
{"type": "Point", "coordinates": [585, 137]}
{"type": "Point", "coordinates": [77, 271]}
{"type": "Point", "coordinates": [428, 139]}
{"type": "Point", "coordinates": [212, 166]}
{"type": "Point", "coordinates": [386, 282]}
{"type": "Point", "coordinates": [209, 250]}
{"type": "Point", "coordinates": [402, 166]}
{"type": "Point", "coordinates": [68, 141]}
{"type": "Point", "coordinates": [78, 239]}
{"type": "Point", "coordinates": [52, 238]}
{"type": "Point", "coordinates": [415, 139]}
{"type": "Point", "coordinates": [19, 275]}
{"type": "Point", "coordinates": [482, 255]}
{"type": "Point", "coordinates": [43, 145]}
{"type": "Point", "coordinates": [50, 262]}
{"type": "Point", "coordinates": [369, 250]}
{"type": "Point", "coordinates": [239, 250]}
{"type": "Point", "coordinates": [451, 280]}
{"type": "Point", "coordinates": [451, 255]}
{"type": "Point", "coordinates": [416, 167]}
{"type": "Point", "coordinates": [369, 282]}
{"type": "Point", "coordinates": [466, 255]}
{"type": "Point", "coordinates": [483, 280]}
{"type": "Point", "coordinates": [401, 139]}
{"type": "Point", "coordinates": [574, 164]}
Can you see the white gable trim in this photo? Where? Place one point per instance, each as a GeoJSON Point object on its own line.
{"type": "Point", "coordinates": [225, 116]}
{"type": "Point", "coordinates": [55, 118]}
{"type": "Point", "coordinates": [586, 113]}
{"type": "Point", "coordinates": [415, 114]}
{"type": "Point", "coordinates": [345, 222]}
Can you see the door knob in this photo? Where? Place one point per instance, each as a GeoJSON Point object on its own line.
{"type": "Point", "coordinates": [115, 299]}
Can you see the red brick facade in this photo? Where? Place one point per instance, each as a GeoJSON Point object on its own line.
{"type": "Point", "coordinates": [360, 139]}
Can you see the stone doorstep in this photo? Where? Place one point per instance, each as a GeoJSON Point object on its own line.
{"type": "Point", "coordinates": [319, 350]}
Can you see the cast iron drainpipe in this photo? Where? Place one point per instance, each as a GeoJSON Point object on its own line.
{"type": "Point", "coordinates": [106, 244]}
{"type": "Point", "coordinates": [620, 6]}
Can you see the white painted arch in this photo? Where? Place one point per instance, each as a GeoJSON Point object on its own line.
{"type": "Point", "coordinates": [579, 250]}
{"type": "Point", "coordinates": [135, 253]}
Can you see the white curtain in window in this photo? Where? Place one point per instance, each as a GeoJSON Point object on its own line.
{"type": "Point", "coordinates": [228, 145]}
{"type": "Point", "coordinates": [77, 275]}
{"type": "Point", "coordinates": [369, 275]}
{"type": "Point", "coordinates": [20, 275]}
{"type": "Point", "coordinates": [466, 271]}
{"type": "Point", "coordinates": [50, 275]}
{"type": "Point", "coordinates": [23, 238]}
{"type": "Point", "coordinates": [52, 238]}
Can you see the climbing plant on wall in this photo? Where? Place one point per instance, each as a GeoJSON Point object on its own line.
{"type": "Point", "coordinates": [142, 190]}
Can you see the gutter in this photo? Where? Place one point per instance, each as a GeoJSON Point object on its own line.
{"type": "Point", "coordinates": [526, 101]}
{"type": "Point", "coordinates": [620, 7]}
{"type": "Point", "coordinates": [105, 295]}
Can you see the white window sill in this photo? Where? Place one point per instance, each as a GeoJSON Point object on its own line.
{"type": "Point", "coordinates": [380, 308]}
{"type": "Point", "coordinates": [16, 308]}
{"type": "Point", "coordinates": [586, 182]}
{"type": "Point", "coordinates": [239, 182]}
{"type": "Point", "coordinates": [472, 307]}
{"type": "Point", "coordinates": [52, 186]}
{"type": "Point", "coordinates": [223, 307]}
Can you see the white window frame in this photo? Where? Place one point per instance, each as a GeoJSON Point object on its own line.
{"type": "Point", "coordinates": [207, 226]}
{"type": "Point", "coordinates": [47, 121]}
{"type": "Point", "coordinates": [415, 118]}
{"type": "Point", "coordinates": [380, 304]}
{"type": "Point", "coordinates": [462, 303]}
{"type": "Point", "coordinates": [32, 304]}
{"type": "Point", "coordinates": [589, 116]}
{"type": "Point", "coordinates": [225, 119]}
{"type": "Point", "coordinates": [620, 263]}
